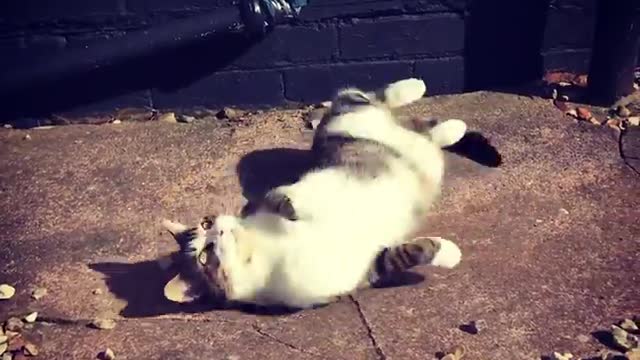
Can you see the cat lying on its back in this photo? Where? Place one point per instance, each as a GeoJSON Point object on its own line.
{"type": "Point", "coordinates": [333, 230]}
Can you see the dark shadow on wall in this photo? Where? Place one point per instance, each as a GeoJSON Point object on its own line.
{"type": "Point", "coordinates": [166, 70]}
{"type": "Point", "coordinates": [503, 43]}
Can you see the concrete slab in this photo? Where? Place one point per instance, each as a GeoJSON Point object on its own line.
{"type": "Point", "coordinates": [550, 239]}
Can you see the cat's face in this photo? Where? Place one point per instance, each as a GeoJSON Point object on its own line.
{"type": "Point", "coordinates": [199, 270]}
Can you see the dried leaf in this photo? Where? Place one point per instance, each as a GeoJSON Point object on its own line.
{"type": "Point", "coordinates": [633, 354]}
{"type": "Point", "coordinates": [581, 80]}
{"type": "Point", "coordinates": [557, 77]}
{"type": "Point", "coordinates": [103, 324]}
{"type": "Point", "coordinates": [583, 113]}
{"type": "Point", "coordinates": [3, 339]}
{"type": "Point", "coordinates": [614, 123]}
{"type": "Point", "coordinates": [31, 317]}
{"type": "Point", "coordinates": [7, 291]}
{"type": "Point", "coordinates": [3, 348]}
{"type": "Point", "coordinates": [168, 117]}
{"type": "Point", "coordinates": [30, 349]}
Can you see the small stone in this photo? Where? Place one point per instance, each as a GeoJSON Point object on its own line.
{"type": "Point", "coordinates": [103, 324]}
{"type": "Point", "coordinates": [186, 119]}
{"type": "Point", "coordinates": [31, 318]}
{"type": "Point", "coordinates": [168, 117]}
{"type": "Point", "coordinates": [629, 325]}
{"type": "Point", "coordinates": [562, 356]}
{"type": "Point", "coordinates": [11, 334]}
{"type": "Point", "coordinates": [623, 111]}
{"type": "Point", "coordinates": [116, 121]}
{"type": "Point", "coordinates": [561, 105]}
{"type": "Point", "coordinates": [97, 292]}
{"type": "Point", "coordinates": [564, 211]}
{"type": "Point", "coordinates": [30, 349]}
{"type": "Point", "coordinates": [14, 324]}
{"type": "Point", "coordinates": [38, 293]}
{"type": "Point", "coordinates": [572, 112]}
{"type": "Point", "coordinates": [27, 137]}
{"type": "Point", "coordinates": [107, 354]}
{"type": "Point", "coordinates": [623, 339]}
{"type": "Point", "coordinates": [474, 327]}
{"type": "Point", "coordinates": [229, 114]}
{"type": "Point", "coordinates": [634, 120]}
{"type": "Point", "coordinates": [583, 338]}
{"type": "Point", "coordinates": [16, 343]}
{"type": "Point", "coordinates": [7, 291]}
{"type": "Point", "coordinates": [8, 126]}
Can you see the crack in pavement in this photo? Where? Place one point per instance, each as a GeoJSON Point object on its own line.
{"type": "Point", "coordinates": [365, 322]}
{"type": "Point", "coordinates": [52, 320]}
{"type": "Point", "coordinates": [265, 334]}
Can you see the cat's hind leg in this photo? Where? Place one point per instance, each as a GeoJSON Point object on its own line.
{"type": "Point", "coordinates": [392, 260]}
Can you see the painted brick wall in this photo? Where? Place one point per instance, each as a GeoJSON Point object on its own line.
{"type": "Point", "coordinates": [455, 45]}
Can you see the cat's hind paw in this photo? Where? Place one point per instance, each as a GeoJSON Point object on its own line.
{"type": "Point", "coordinates": [448, 255]}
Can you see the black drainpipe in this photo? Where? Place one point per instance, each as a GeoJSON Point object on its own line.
{"type": "Point", "coordinates": [253, 17]}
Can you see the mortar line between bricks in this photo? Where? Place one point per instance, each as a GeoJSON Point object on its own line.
{"type": "Point", "coordinates": [365, 322]}
{"type": "Point", "coordinates": [346, 62]}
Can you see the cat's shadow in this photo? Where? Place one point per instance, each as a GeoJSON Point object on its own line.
{"type": "Point", "coordinates": [141, 285]}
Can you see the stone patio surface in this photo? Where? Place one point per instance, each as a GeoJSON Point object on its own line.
{"type": "Point", "coordinates": [551, 239]}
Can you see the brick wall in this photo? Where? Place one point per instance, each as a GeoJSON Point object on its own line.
{"type": "Point", "coordinates": [455, 45]}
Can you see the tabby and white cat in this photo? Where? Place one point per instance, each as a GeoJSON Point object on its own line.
{"type": "Point", "coordinates": [324, 235]}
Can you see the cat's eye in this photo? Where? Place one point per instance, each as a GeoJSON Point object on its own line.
{"type": "Point", "coordinates": [202, 258]}
{"type": "Point", "coordinates": [207, 222]}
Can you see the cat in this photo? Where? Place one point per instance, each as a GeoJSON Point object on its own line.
{"type": "Point", "coordinates": [319, 238]}
{"type": "Point", "coordinates": [199, 270]}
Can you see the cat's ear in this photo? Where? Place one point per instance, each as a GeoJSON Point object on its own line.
{"type": "Point", "coordinates": [403, 92]}
{"type": "Point", "coordinates": [347, 98]}
{"type": "Point", "coordinates": [173, 227]}
{"type": "Point", "coordinates": [180, 290]}
{"type": "Point", "coordinates": [448, 132]}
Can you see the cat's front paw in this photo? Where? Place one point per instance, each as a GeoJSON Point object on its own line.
{"type": "Point", "coordinates": [277, 202]}
{"type": "Point", "coordinates": [223, 231]}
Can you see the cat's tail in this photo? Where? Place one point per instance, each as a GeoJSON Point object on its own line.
{"type": "Point", "coordinates": [434, 251]}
